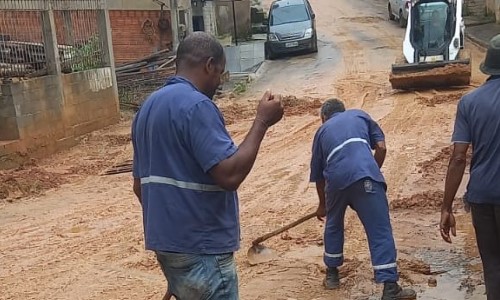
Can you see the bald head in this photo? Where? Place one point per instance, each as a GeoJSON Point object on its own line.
{"type": "Point", "coordinates": [197, 48]}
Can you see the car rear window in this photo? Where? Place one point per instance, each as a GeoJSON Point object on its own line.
{"type": "Point", "coordinates": [289, 14]}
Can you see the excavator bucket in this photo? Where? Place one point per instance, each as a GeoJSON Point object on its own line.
{"type": "Point", "coordinates": [431, 75]}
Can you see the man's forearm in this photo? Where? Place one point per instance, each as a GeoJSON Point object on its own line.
{"type": "Point", "coordinates": [249, 148]}
{"type": "Point", "coordinates": [380, 157]}
{"type": "Point", "coordinates": [230, 173]}
{"type": "Point", "coordinates": [380, 153]}
{"type": "Point", "coordinates": [320, 189]}
{"type": "Point", "coordinates": [454, 177]}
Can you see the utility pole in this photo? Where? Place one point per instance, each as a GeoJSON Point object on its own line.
{"type": "Point", "coordinates": [234, 24]}
{"type": "Point", "coordinates": [174, 16]}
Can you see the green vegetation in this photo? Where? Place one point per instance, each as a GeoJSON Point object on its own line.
{"type": "Point", "coordinates": [240, 87]}
{"type": "Point", "coordinates": [87, 56]}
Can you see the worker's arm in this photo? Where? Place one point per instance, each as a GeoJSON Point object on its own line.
{"type": "Point", "coordinates": [231, 172]}
{"type": "Point", "coordinates": [320, 189]}
{"type": "Point", "coordinates": [456, 168]}
{"type": "Point", "coordinates": [380, 153]}
{"type": "Point", "coordinates": [318, 163]}
{"type": "Point", "coordinates": [377, 141]}
{"type": "Point", "coordinates": [212, 147]}
{"type": "Point", "coordinates": [135, 164]}
{"type": "Point", "coordinates": [455, 173]}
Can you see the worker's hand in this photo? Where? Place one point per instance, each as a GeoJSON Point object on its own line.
{"type": "Point", "coordinates": [270, 109]}
{"type": "Point", "coordinates": [321, 213]}
{"type": "Point", "coordinates": [447, 223]}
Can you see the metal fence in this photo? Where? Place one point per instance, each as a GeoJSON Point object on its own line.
{"type": "Point", "coordinates": [22, 50]}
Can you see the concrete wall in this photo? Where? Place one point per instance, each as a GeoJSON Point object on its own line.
{"type": "Point", "coordinates": [244, 56]}
{"type": "Point", "coordinates": [224, 15]}
{"type": "Point", "coordinates": [47, 114]}
{"type": "Point", "coordinates": [475, 7]}
{"type": "Point", "coordinates": [493, 7]}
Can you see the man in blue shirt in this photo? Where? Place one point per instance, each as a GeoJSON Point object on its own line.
{"type": "Point", "coordinates": [186, 172]}
{"type": "Point", "coordinates": [477, 123]}
{"type": "Point", "coordinates": [346, 173]}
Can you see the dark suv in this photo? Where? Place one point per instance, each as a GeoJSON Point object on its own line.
{"type": "Point", "coordinates": [291, 28]}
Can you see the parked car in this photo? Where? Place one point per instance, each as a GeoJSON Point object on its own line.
{"type": "Point", "coordinates": [398, 10]}
{"type": "Point", "coordinates": [291, 27]}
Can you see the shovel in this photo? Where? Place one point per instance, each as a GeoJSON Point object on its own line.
{"type": "Point", "coordinates": [258, 253]}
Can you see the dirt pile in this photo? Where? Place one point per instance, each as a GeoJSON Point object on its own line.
{"type": "Point", "coordinates": [234, 111]}
{"type": "Point", "coordinates": [428, 199]}
{"type": "Point", "coordinates": [438, 165]}
{"type": "Point", "coordinates": [301, 106]}
{"type": "Point", "coordinates": [451, 97]}
{"type": "Point", "coordinates": [96, 152]}
{"type": "Point", "coordinates": [28, 181]}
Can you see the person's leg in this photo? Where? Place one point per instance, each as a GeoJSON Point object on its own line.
{"type": "Point", "coordinates": [334, 237]}
{"type": "Point", "coordinates": [224, 278]}
{"type": "Point", "coordinates": [370, 203]}
{"type": "Point", "coordinates": [369, 200]}
{"type": "Point", "coordinates": [168, 293]}
{"type": "Point", "coordinates": [486, 221]}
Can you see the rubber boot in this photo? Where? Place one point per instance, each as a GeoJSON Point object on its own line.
{"type": "Point", "coordinates": [392, 291]}
{"type": "Point", "coordinates": [332, 280]}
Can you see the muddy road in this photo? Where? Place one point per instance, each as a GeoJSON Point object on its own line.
{"type": "Point", "coordinates": [68, 233]}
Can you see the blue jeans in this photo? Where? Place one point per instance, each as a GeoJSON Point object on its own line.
{"type": "Point", "coordinates": [200, 277]}
{"type": "Point", "coordinates": [369, 200]}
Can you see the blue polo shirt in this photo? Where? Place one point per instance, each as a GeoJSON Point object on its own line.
{"type": "Point", "coordinates": [178, 135]}
{"type": "Point", "coordinates": [342, 150]}
{"type": "Point", "coordinates": [478, 123]}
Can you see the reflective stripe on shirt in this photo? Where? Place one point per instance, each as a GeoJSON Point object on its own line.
{"type": "Point", "coordinates": [339, 147]}
{"type": "Point", "coordinates": [182, 184]}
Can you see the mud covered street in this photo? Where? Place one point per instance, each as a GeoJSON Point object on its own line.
{"type": "Point", "coordinates": [68, 233]}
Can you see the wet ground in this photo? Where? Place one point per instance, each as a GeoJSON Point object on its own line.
{"type": "Point", "coordinates": [68, 233]}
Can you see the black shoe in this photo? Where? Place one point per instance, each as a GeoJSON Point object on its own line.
{"type": "Point", "coordinates": [392, 291]}
{"type": "Point", "coordinates": [332, 280]}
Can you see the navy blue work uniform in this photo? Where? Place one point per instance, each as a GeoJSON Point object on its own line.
{"type": "Point", "coordinates": [478, 123]}
{"type": "Point", "coordinates": [192, 224]}
{"type": "Point", "coordinates": [342, 156]}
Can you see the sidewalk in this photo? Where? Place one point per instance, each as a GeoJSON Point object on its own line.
{"type": "Point", "coordinates": [482, 34]}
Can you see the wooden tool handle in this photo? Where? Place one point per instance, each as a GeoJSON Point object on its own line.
{"type": "Point", "coordinates": [282, 229]}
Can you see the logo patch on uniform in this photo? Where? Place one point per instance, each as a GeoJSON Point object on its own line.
{"type": "Point", "coordinates": [368, 186]}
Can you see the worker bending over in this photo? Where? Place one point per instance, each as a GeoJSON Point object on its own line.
{"type": "Point", "coordinates": [347, 174]}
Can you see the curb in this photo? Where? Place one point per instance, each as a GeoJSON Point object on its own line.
{"type": "Point", "coordinates": [476, 41]}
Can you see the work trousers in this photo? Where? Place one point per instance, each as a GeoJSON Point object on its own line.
{"type": "Point", "coordinates": [200, 277]}
{"type": "Point", "coordinates": [368, 198]}
{"type": "Point", "coordinates": [486, 220]}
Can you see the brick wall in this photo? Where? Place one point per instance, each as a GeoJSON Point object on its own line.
{"type": "Point", "coordinates": [130, 42]}
{"type": "Point", "coordinates": [48, 113]}
{"type": "Point", "coordinates": [27, 25]}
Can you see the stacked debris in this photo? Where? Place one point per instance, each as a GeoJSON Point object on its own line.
{"type": "Point", "coordinates": [27, 59]}
{"type": "Point", "coordinates": [139, 78]}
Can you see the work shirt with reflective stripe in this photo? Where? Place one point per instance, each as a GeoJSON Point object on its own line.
{"type": "Point", "coordinates": [342, 150]}
{"type": "Point", "coordinates": [478, 123]}
{"type": "Point", "coordinates": [178, 136]}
